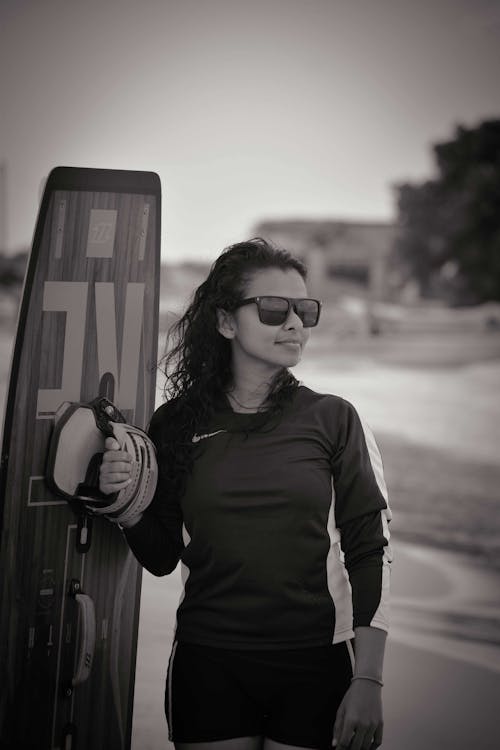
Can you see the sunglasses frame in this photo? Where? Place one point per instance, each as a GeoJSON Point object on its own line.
{"type": "Point", "coordinates": [291, 303]}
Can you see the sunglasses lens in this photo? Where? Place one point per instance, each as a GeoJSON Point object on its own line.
{"type": "Point", "coordinates": [273, 310]}
{"type": "Point", "coordinates": [308, 312]}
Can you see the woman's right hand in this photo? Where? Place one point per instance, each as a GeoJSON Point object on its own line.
{"type": "Point", "coordinates": [115, 469]}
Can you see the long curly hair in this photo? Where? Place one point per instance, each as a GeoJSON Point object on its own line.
{"type": "Point", "coordinates": [197, 365]}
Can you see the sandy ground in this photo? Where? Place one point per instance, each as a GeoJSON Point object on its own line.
{"type": "Point", "coordinates": [442, 667]}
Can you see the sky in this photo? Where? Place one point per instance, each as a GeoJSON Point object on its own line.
{"type": "Point", "coordinates": [247, 109]}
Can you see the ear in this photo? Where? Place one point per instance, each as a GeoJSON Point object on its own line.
{"type": "Point", "coordinates": [226, 324]}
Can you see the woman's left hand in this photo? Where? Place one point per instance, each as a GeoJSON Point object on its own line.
{"type": "Point", "coordinates": [359, 722]}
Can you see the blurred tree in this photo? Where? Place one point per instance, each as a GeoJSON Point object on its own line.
{"type": "Point", "coordinates": [450, 226]}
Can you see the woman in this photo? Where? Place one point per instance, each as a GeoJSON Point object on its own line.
{"type": "Point", "coordinates": [272, 497]}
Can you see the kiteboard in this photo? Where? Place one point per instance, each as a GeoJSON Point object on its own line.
{"type": "Point", "coordinates": [70, 587]}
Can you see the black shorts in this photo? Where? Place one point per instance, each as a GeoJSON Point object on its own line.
{"type": "Point", "coordinates": [290, 696]}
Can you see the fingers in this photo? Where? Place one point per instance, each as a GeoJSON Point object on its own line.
{"type": "Point", "coordinates": [358, 737]}
{"type": "Point", "coordinates": [354, 732]}
{"type": "Point", "coordinates": [361, 739]}
{"type": "Point", "coordinates": [377, 737]}
{"type": "Point", "coordinates": [347, 734]}
{"type": "Point", "coordinates": [116, 460]}
{"type": "Point", "coordinates": [115, 469]}
{"type": "Point", "coordinates": [115, 477]}
{"type": "Point", "coordinates": [116, 466]}
{"type": "Point", "coordinates": [111, 444]}
{"type": "Point", "coordinates": [108, 487]}
{"type": "Point", "coordinates": [339, 724]}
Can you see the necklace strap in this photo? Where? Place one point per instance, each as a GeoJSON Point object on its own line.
{"type": "Point", "coordinates": [243, 406]}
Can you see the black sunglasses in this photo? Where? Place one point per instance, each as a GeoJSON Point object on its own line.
{"type": "Point", "coordinates": [274, 311]}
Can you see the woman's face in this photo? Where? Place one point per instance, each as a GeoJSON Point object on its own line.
{"type": "Point", "coordinates": [257, 344]}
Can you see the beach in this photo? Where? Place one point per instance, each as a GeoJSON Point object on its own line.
{"type": "Point", "coordinates": [438, 427]}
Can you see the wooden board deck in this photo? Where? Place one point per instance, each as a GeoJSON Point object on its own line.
{"type": "Point", "coordinates": [88, 325]}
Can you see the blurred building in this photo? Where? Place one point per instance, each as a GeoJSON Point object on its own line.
{"type": "Point", "coordinates": [358, 251]}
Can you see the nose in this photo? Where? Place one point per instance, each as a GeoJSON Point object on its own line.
{"type": "Point", "coordinates": [293, 321]}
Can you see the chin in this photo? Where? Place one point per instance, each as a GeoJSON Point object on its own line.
{"type": "Point", "coordinates": [290, 360]}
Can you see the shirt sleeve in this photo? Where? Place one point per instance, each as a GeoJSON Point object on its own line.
{"type": "Point", "coordinates": [362, 515]}
{"type": "Point", "coordinates": [156, 540]}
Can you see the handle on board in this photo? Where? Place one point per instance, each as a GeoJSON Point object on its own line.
{"type": "Point", "coordinates": [87, 641]}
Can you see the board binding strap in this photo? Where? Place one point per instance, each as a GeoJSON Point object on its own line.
{"type": "Point", "coordinates": [75, 455]}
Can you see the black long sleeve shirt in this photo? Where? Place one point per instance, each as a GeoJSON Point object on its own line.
{"type": "Point", "coordinates": [282, 534]}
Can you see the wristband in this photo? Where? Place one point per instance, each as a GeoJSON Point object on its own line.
{"type": "Point", "coordinates": [366, 677]}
